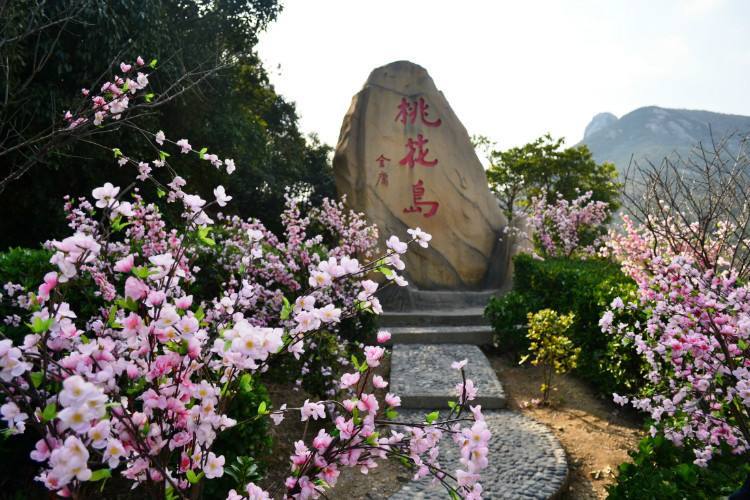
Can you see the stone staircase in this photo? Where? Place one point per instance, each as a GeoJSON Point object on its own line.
{"type": "Point", "coordinates": [452, 326]}
{"type": "Point", "coordinates": [526, 460]}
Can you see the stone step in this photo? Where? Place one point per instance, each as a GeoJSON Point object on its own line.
{"type": "Point", "coordinates": [526, 461]}
{"type": "Point", "coordinates": [477, 335]}
{"type": "Point", "coordinates": [407, 299]}
{"type": "Point", "coordinates": [447, 317]}
{"type": "Point", "coordinates": [421, 375]}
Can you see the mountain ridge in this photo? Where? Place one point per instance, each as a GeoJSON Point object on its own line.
{"type": "Point", "coordinates": [654, 132]}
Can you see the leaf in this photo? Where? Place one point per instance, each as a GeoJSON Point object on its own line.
{"type": "Point", "coordinates": [161, 193]}
{"type": "Point", "coordinates": [169, 493]}
{"type": "Point", "coordinates": [193, 478]}
{"type": "Point", "coordinates": [200, 313]}
{"type": "Point", "coordinates": [127, 303]}
{"type": "Point", "coordinates": [385, 271]}
{"type": "Point", "coordinates": [112, 316]}
{"type": "Point", "coordinates": [118, 225]}
{"type": "Point", "coordinates": [286, 309]}
{"type": "Point", "coordinates": [117, 152]}
{"type": "Point", "coordinates": [36, 378]}
{"type": "Point", "coordinates": [430, 418]}
{"type": "Point", "coordinates": [202, 153]}
{"type": "Point", "coordinates": [323, 483]}
{"type": "Point", "coordinates": [203, 233]}
{"type": "Point", "coordinates": [262, 408]}
{"type": "Point", "coordinates": [152, 64]}
{"type": "Point", "coordinates": [100, 474]}
{"type": "Point", "coordinates": [49, 412]}
{"type": "Point", "coordinates": [39, 325]}
{"type": "Point", "coordinates": [163, 155]}
{"type": "Point", "coordinates": [149, 97]}
{"type": "Point", "coordinates": [141, 272]}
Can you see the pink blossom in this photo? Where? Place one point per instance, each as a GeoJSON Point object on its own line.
{"type": "Point", "coordinates": [373, 355]}
{"type": "Point", "coordinates": [50, 282]}
{"type": "Point", "coordinates": [185, 146]}
{"type": "Point", "coordinates": [459, 365]}
{"type": "Point", "coordinates": [420, 236]}
{"type": "Point", "coordinates": [221, 197]}
{"type": "Point", "coordinates": [368, 403]}
{"type": "Point", "coordinates": [349, 380]}
{"type": "Point", "coordinates": [314, 410]}
{"type": "Point", "coordinates": [135, 288]}
{"type": "Point", "coordinates": [106, 195]}
{"type": "Point", "coordinates": [379, 382]}
{"type": "Point", "coordinates": [392, 400]}
{"type": "Point", "coordinates": [396, 245]}
{"type": "Point", "coordinates": [184, 302]}
{"type": "Point", "coordinates": [383, 336]}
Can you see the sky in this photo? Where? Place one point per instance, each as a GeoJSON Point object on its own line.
{"type": "Point", "coordinates": [513, 71]}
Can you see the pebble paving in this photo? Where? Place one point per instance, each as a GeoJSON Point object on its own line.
{"type": "Point", "coordinates": [421, 374]}
{"type": "Point", "coordinates": [526, 461]}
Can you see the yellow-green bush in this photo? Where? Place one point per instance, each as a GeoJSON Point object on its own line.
{"type": "Point", "coordinates": [550, 346]}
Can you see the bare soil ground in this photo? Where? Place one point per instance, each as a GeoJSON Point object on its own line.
{"type": "Point", "coordinates": [595, 433]}
{"type": "Point", "coordinates": [378, 484]}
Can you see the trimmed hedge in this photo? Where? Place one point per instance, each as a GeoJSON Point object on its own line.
{"type": "Point", "coordinates": [583, 287]}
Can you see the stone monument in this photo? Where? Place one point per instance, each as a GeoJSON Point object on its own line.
{"type": "Point", "coordinates": [405, 160]}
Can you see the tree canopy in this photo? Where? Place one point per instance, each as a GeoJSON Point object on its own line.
{"type": "Point", "coordinates": [546, 167]}
{"type": "Point", "coordinates": [50, 50]}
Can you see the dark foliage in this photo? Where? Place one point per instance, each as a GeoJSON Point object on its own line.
{"type": "Point", "coordinates": [584, 287]}
{"type": "Point", "coordinates": [235, 113]}
{"type": "Point", "coordinates": [661, 470]}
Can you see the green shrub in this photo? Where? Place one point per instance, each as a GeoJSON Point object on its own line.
{"type": "Point", "coordinates": [550, 345]}
{"type": "Point", "coordinates": [585, 288]}
{"type": "Point", "coordinates": [27, 267]}
{"type": "Point", "coordinates": [661, 470]}
{"type": "Point", "coordinates": [24, 266]}
{"type": "Point", "coordinates": [249, 438]}
{"type": "Point", "coordinates": [507, 315]}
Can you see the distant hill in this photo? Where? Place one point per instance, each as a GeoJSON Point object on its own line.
{"type": "Point", "coordinates": [652, 132]}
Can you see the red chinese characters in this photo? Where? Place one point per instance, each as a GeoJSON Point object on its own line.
{"type": "Point", "coordinates": [408, 112]}
{"type": "Point", "coordinates": [382, 179]}
{"type": "Point", "coordinates": [417, 153]}
{"type": "Point", "coordinates": [418, 192]}
{"type": "Point", "coordinates": [382, 175]}
{"type": "Point", "coordinates": [414, 112]}
{"type": "Point", "coordinates": [381, 160]}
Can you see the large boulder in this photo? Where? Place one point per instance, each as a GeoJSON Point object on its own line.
{"type": "Point", "coordinates": [405, 160]}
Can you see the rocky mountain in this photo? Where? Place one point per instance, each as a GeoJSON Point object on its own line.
{"type": "Point", "coordinates": [653, 133]}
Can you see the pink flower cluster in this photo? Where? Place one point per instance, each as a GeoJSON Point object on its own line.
{"type": "Point", "coordinates": [696, 339]}
{"type": "Point", "coordinates": [356, 440]}
{"type": "Point", "coordinates": [114, 96]}
{"type": "Point", "coordinates": [136, 382]}
{"type": "Point", "coordinates": [562, 227]}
